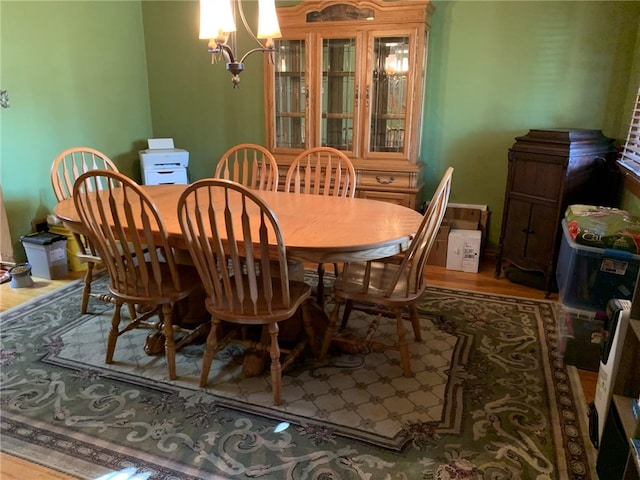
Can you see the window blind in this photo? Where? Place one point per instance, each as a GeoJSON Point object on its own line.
{"type": "Point", "coordinates": [631, 153]}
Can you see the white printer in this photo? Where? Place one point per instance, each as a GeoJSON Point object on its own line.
{"type": "Point", "coordinates": [162, 164]}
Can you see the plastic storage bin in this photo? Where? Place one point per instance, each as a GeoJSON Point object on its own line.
{"type": "Point", "coordinates": [579, 336]}
{"type": "Point", "coordinates": [588, 277]}
{"type": "Point", "coordinates": [47, 254]}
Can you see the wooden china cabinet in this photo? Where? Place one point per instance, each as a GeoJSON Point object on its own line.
{"type": "Point", "coordinates": [351, 75]}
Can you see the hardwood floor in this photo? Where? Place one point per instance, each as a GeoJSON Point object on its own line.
{"type": "Point", "coordinates": [13, 468]}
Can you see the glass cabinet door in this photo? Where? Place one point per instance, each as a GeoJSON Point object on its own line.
{"type": "Point", "coordinates": [388, 94]}
{"type": "Point", "coordinates": [338, 93]}
{"type": "Point", "coordinates": [290, 94]}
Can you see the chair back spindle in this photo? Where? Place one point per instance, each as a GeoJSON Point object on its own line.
{"type": "Point", "coordinates": [73, 162]}
{"type": "Point", "coordinates": [322, 171]}
{"type": "Point", "coordinates": [250, 165]}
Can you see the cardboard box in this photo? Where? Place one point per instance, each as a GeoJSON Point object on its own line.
{"type": "Point", "coordinates": [463, 218]}
{"type": "Point", "coordinates": [469, 217]}
{"type": "Point", "coordinates": [463, 250]}
{"type": "Point", "coordinates": [438, 254]}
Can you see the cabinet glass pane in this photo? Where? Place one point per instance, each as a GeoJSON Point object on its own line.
{"type": "Point", "coordinates": [290, 97]}
{"type": "Point", "coordinates": [338, 92]}
{"type": "Point", "coordinates": [389, 94]}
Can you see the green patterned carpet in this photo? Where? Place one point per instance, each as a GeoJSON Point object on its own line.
{"type": "Point", "coordinates": [490, 399]}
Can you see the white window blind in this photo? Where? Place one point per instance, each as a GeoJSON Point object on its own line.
{"type": "Point", "coordinates": [630, 157]}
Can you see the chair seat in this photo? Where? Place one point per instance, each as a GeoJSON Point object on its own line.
{"type": "Point", "coordinates": [350, 284]}
{"type": "Point", "coordinates": [158, 294]}
{"type": "Point", "coordinates": [244, 313]}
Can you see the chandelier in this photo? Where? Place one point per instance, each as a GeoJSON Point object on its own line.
{"type": "Point", "coordinates": [217, 23]}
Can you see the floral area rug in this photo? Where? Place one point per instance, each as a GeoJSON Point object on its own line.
{"type": "Point", "coordinates": [490, 399]}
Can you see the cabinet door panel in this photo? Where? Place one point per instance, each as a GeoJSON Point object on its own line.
{"type": "Point", "coordinates": [542, 234]}
{"type": "Point", "coordinates": [516, 228]}
{"type": "Point", "coordinates": [338, 93]}
{"type": "Point", "coordinates": [530, 234]}
{"type": "Point", "coordinates": [290, 95]}
{"type": "Point", "coordinates": [538, 179]}
{"type": "Point", "coordinates": [388, 93]}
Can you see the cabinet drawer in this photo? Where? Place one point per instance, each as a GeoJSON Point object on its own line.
{"type": "Point", "coordinates": [387, 180]}
{"type": "Point", "coordinates": [405, 199]}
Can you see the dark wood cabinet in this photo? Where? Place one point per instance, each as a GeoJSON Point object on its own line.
{"type": "Point", "coordinates": [548, 171]}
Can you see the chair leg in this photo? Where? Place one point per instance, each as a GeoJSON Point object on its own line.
{"type": "Point", "coordinates": [113, 334]}
{"type": "Point", "coordinates": [347, 312]}
{"type": "Point", "coordinates": [320, 289]}
{"type": "Point", "coordinates": [132, 310]}
{"type": "Point", "coordinates": [276, 367]}
{"type": "Point", "coordinates": [328, 334]}
{"type": "Point", "coordinates": [403, 346]}
{"type": "Point", "coordinates": [169, 342]}
{"type": "Point", "coordinates": [308, 327]}
{"type": "Point", "coordinates": [415, 322]}
{"type": "Point", "coordinates": [86, 293]}
{"type": "Point", "coordinates": [209, 351]}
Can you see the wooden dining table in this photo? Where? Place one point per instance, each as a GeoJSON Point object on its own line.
{"type": "Point", "coordinates": [316, 228]}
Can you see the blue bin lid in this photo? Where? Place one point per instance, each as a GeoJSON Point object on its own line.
{"type": "Point", "coordinates": [42, 238]}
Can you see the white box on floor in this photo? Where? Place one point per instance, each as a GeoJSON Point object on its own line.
{"type": "Point", "coordinates": [463, 250]}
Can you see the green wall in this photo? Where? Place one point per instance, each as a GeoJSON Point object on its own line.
{"type": "Point", "coordinates": [495, 70]}
{"type": "Point", "coordinates": [103, 73]}
{"type": "Point", "coordinates": [192, 100]}
{"type": "Point", "coordinates": [76, 75]}
{"type": "Point", "coordinates": [498, 69]}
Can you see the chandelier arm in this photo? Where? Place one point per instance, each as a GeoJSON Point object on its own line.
{"type": "Point", "coordinates": [260, 49]}
{"type": "Point", "coordinates": [246, 25]}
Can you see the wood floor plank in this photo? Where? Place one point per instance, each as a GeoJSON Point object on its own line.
{"type": "Point", "coordinates": [14, 468]}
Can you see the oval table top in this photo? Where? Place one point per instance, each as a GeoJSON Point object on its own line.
{"type": "Point", "coordinates": [318, 229]}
